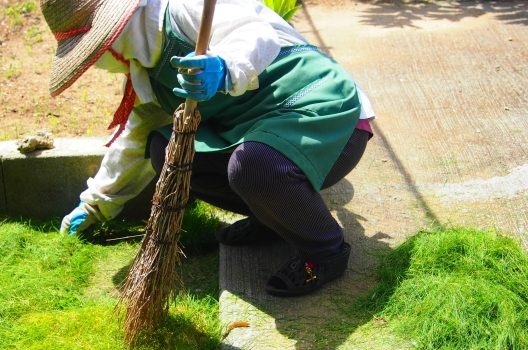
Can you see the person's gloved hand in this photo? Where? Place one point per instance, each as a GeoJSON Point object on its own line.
{"type": "Point", "coordinates": [200, 77]}
{"type": "Point", "coordinates": [80, 219]}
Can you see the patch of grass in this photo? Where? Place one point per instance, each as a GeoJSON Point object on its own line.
{"type": "Point", "coordinates": [40, 272]}
{"type": "Point", "coordinates": [198, 225]}
{"type": "Point", "coordinates": [189, 325]}
{"type": "Point", "coordinates": [90, 327]}
{"type": "Point", "coordinates": [17, 11]}
{"type": "Point", "coordinates": [456, 289]}
{"type": "Point", "coordinates": [59, 292]}
{"type": "Point", "coordinates": [33, 35]}
{"type": "Point", "coordinates": [12, 70]}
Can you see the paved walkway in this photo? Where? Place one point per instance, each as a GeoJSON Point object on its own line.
{"type": "Point", "coordinates": [449, 84]}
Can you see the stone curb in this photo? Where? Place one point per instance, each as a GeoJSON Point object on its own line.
{"type": "Point", "coordinates": [47, 183]}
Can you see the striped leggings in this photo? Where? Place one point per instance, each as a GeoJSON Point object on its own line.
{"type": "Point", "coordinates": [258, 181]}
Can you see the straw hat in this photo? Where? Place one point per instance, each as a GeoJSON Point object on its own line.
{"type": "Point", "coordinates": [84, 29]}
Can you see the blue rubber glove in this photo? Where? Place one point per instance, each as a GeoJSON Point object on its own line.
{"type": "Point", "coordinates": [80, 219]}
{"type": "Point", "coordinates": [207, 77]}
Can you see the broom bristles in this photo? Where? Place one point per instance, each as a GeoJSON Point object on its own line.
{"type": "Point", "coordinates": [153, 278]}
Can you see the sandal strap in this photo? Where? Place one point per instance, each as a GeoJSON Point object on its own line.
{"type": "Point", "coordinates": [297, 276]}
{"type": "Point", "coordinates": [294, 273]}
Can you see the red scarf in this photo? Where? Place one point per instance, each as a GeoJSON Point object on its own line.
{"type": "Point", "coordinates": [127, 102]}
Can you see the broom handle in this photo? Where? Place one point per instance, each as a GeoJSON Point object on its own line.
{"type": "Point", "coordinates": [201, 44]}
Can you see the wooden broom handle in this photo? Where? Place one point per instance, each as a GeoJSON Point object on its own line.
{"type": "Point", "coordinates": [201, 44]}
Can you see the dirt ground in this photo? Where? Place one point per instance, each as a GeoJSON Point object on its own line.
{"type": "Point", "coordinates": [26, 50]}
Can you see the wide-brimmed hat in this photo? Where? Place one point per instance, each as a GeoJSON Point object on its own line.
{"type": "Point", "coordinates": [84, 29]}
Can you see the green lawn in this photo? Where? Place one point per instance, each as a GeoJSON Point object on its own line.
{"type": "Point", "coordinates": [441, 289]}
{"type": "Point", "coordinates": [59, 292]}
{"type": "Point", "coordinates": [455, 289]}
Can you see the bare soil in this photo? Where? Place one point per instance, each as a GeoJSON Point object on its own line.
{"type": "Point", "coordinates": [26, 50]}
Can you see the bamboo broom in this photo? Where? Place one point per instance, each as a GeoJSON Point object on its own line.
{"type": "Point", "coordinates": [153, 278]}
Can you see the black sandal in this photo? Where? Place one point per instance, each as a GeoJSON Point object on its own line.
{"type": "Point", "coordinates": [299, 277]}
{"type": "Point", "coordinates": [245, 232]}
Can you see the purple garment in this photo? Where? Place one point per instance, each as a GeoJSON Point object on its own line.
{"type": "Point", "coordinates": [258, 181]}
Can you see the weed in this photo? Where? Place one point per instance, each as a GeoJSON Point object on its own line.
{"type": "Point", "coordinates": [33, 35]}
{"type": "Point", "coordinates": [53, 120]}
{"type": "Point", "coordinates": [16, 12]}
{"type": "Point", "coordinates": [13, 70]}
{"type": "Point", "coordinates": [84, 95]}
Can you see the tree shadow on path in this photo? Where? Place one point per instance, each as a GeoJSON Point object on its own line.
{"type": "Point", "coordinates": [322, 320]}
{"type": "Point", "coordinates": [400, 15]}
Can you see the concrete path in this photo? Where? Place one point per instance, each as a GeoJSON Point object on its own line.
{"type": "Point", "coordinates": [449, 84]}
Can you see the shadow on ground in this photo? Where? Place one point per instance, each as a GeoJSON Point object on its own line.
{"type": "Point", "coordinates": [179, 328]}
{"type": "Point", "coordinates": [389, 14]}
{"type": "Point", "coordinates": [323, 320]}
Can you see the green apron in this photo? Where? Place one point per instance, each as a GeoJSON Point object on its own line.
{"type": "Point", "coordinates": [306, 107]}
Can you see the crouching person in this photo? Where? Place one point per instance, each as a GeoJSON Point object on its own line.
{"type": "Point", "coordinates": [280, 120]}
